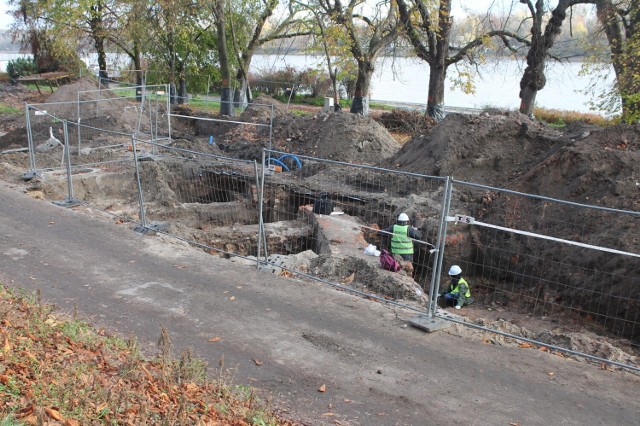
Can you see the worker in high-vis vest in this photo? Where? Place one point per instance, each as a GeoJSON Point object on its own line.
{"type": "Point", "coordinates": [402, 236]}
{"type": "Point", "coordinates": [458, 293]}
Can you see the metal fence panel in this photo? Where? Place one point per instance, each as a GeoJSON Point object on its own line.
{"type": "Point", "coordinates": [573, 267]}
{"type": "Point", "coordinates": [202, 198]}
{"type": "Point", "coordinates": [140, 110]}
{"type": "Point", "coordinates": [332, 211]}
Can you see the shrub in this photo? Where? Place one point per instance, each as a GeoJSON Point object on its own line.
{"type": "Point", "coordinates": [21, 67]}
{"type": "Point", "coordinates": [401, 120]}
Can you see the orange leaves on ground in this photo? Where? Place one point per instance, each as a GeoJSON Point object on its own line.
{"type": "Point", "coordinates": [53, 413]}
{"type": "Point", "coordinates": [323, 388]}
{"type": "Point", "coordinates": [525, 345]}
{"type": "Point", "coordinates": [349, 279]}
{"type": "Point", "coordinates": [136, 388]}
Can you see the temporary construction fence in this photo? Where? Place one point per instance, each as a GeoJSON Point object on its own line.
{"type": "Point", "coordinates": [98, 122]}
{"type": "Point", "coordinates": [206, 199]}
{"type": "Point", "coordinates": [339, 209]}
{"type": "Point", "coordinates": [232, 131]}
{"type": "Point", "coordinates": [569, 266]}
{"type": "Point", "coordinates": [575, 267]}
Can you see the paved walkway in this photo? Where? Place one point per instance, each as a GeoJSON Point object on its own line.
{"type": "Point", "coordinates": [376, 370]}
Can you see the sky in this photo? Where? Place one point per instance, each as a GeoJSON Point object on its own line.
{"type": "Point", "coordinates": [5, 19]}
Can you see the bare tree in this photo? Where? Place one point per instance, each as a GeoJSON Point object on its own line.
{"type": "Point", "coordinates": [430, 39]}
{"type": "Point", "coordinates": [253, 32]}
{"type": "Point", "coordinates": [369, 30]}
{"type": "Point", "coordinates": [533, 80]}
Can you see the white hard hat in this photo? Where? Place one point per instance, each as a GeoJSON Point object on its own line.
{"type": "Point", "coordinates": [403, 217]}
{"type": "Point", "coordinates": [455, 270]}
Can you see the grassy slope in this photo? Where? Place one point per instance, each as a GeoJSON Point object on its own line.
{"type": "Point", "coordinates": [61, 371]}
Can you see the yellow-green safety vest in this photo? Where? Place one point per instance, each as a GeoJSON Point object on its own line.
{"type": "Point", "coordinates": [400, 241]}
{"type": "Point", "coordinates": [456, 289]}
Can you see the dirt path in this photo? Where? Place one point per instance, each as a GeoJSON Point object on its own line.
{"type": "Point", "coordinates": [376, 369]}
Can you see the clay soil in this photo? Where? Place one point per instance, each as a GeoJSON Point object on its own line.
{"type": "Point", "coordinates": [579, 163]}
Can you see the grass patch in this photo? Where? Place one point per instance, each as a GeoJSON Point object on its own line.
{"type": "Point", "coordinates": [57, 370]}
{"type": "Point", "coordinates": [560, 118]}
{"type": "Point", "coordinates": [8, 109]}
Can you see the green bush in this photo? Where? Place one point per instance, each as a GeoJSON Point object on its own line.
{"type": "Point", "coordinates": [21, 67]}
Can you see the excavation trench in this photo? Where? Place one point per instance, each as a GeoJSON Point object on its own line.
{"type": "Point", "coordinates": [218, 207]}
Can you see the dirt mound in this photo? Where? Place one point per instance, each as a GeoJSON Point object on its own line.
{"type": "Point", "coordinates": [600, 168]}
{"type": "Point", "coordinates": [259, 110]}
{"type": "Point", "coordinates": [488, 149]}
{"type": "Point", "coordinates": [338, 136]}
{"type": "Point", "coordinates": [103, 109]}
{"type": "Point", "coordinates": [12, 131]}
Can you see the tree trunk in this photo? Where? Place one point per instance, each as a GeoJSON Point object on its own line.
{"type": "Point", "coordinates": [435, 101]}
{"type": "Point", "coordinates": [103, 75]}
{"type": "Point", "coordinates": [226, 99]}
{"type": "Point", "coordinates": [622, 35]}
{"type": "Point", "coordinates": [360, 102]}
{"type": "Point", "coordinates": [242, 95]}
{"type": "Point", "coordinates": [137, 64]}
{"type": "Point", "coordinates": [182, 89]}
{"type": "Point", "coordinates": [438, 63]}
{"type": "Point", "coordinates": [98, 34]}
{"type": "Point", "coordinates": [533, 79]}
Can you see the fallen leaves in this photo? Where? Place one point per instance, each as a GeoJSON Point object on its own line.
{"type": "Point", "coordinates": [322, 388]}
{"type": "Point", "coordinates": [118, 386]}
{"type": "Point", "coordinates": [53, 413]}
{"type": "Point", "coordinates": [349, 279]}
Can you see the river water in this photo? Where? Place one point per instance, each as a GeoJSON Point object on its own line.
{"type": "Point", "coordinates": [406, 79]}
{"type": "Point", "coordinates": [498, 83]}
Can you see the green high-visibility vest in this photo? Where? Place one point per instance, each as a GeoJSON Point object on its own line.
{"type": "Point", "coordinates": [456, 289]}
{"type": "Point", "coordinates": [400, 241]}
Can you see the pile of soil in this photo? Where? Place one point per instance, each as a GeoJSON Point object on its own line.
{"type": "Point", "coordinates": [488, 149]}
{"type": "Point", "coordinates": [338, 136]}
{"type": "Point", "coordinates": [583, 164]}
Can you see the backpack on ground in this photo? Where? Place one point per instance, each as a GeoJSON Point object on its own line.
{"type": "Point", "coordinates": [388, 262]}
{"type": "Point", "coordinates": [323, 205]}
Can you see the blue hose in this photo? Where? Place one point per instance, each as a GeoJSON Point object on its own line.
{"type": "Point", "coordinates": [279, 162]}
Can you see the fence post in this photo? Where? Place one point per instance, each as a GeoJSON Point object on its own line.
{"type": "Point", "coordinates": [434, 288]}
{"type": "Point", "coordinates": [32, 158]}
{"type": "Point", "coordinates": [69, 201]}
{"type": "Point", "coordinates": [260, 210]}
{"type": "Point", "coordinates": [270, 135]}
{"type": "Point", "coordinates": [143, 222]}
{"type": "Point", "coordinates": [79, 120]}
{"type": "Point", "coordinates": [168, 109]}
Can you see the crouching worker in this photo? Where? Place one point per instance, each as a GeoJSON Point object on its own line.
{"type": "Point", "coordinates": [458, 293]}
